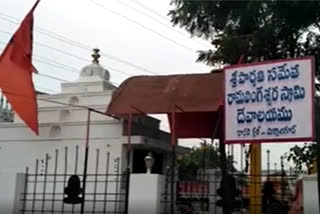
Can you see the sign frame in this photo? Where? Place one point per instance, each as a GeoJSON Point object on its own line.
{"type": "Point", "coordinates": [275, 140]}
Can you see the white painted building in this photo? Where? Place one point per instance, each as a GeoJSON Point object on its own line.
{"type": "Point", "coordinates": [62, 128]}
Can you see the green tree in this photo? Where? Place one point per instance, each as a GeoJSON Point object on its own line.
{"type": "Point", "coordinates": [303, 156]}
{"type": "Point", "coordinates": [205, 156]}
{"type": "Point", "coordinates": [255, 29]}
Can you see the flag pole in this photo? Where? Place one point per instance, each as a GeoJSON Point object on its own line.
{"type": "Point", "coordinates": [85, 169]}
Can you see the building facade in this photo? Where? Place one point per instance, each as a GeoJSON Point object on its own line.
{"type": "Point", "coordinates": [59, 148]}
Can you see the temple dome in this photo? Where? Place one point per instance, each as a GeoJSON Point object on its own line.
{"type": "Point", "coordinates": [95, 69]}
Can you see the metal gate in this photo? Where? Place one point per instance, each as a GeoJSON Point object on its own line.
{"type": "Point", "coordinates": [47, 184]}
{"type": "Point", "coordinates": [203, 191]}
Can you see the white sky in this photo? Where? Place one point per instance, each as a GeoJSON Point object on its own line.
{"type": "Point", "coordinates": [89, 25]}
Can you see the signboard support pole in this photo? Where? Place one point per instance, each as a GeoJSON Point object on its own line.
{"type": "Point", "coordinates": [317, 138]}
{"type": "Point", "coordinates": [173, 167]}
{"type": "Point", "coordinates": [318, 171]}
{"type": "Point", "coordinates": [129, 149]}
{"type": "Point", "coordinates": [255, 179]}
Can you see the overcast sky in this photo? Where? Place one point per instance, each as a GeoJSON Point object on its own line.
{"type": "Point", "coordinates": [128, 32]}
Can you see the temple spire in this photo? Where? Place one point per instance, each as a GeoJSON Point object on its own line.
{"type": "Point", "coordinates": [96, 55]}
{"type": "Point", "coordinates": [95, 69]}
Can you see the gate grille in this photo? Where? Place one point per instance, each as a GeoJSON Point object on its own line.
{"type": "Point", "coordinates": [44, 189]}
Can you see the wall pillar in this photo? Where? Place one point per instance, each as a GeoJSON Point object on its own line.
{"type": "Point", "coordinates": [310, 194]}
{"type": "Point", "coordinates": [19, 190]}
{"type": "Point", "coordinates": [145, 193]}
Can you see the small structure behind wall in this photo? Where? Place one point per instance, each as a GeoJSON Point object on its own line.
{"type": "Point", "coordinates": [146, 190]}
{"type": "Point", "coordinates": [138, 160]}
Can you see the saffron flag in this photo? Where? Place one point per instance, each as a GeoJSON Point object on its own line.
{"type": "Point", "coordinates": [16, 71]}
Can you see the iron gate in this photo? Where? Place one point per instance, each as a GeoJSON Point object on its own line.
{"type": "Point", "coordinates": [203, 192]}
{"type": "Point", "coordinates": [44, 189]}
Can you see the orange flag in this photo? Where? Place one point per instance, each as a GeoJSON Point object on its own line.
{"type": "Point", "coordinates": [16, 73]}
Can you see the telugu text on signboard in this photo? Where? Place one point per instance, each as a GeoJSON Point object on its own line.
{"type": "Point", "coordinates": [270, 101]}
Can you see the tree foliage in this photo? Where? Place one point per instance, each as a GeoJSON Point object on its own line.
{"type": "Point", "coordinates": [206, 156]}
{"type": "Point", "coordinates": [256, 29]}
{"type": "Point", "coordinates": [303, 156]}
